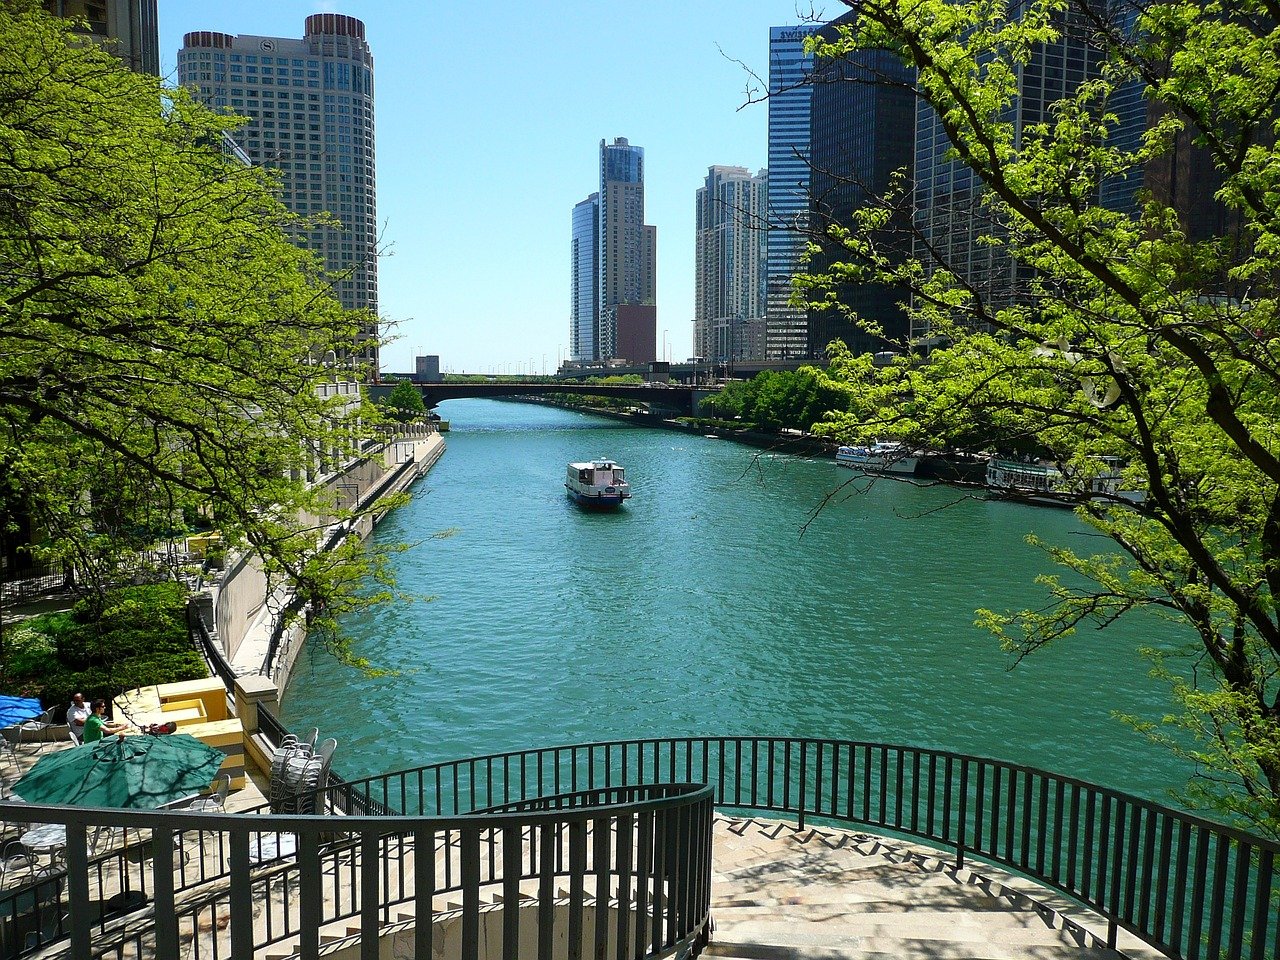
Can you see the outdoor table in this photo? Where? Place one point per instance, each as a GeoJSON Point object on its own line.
{"type": "Point", "coordinates": [50, 838]}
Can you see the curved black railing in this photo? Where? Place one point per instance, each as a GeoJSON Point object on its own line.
{"type": "Point", "coordinates": [601, 867]}
{"type": "Point", "coordinates": [1190, 887]}
{"type": "Point", "coordinates": [1186, 885]}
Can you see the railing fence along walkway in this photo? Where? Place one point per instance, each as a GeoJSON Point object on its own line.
{"type": "Point", "coordinates": [1190, 887]}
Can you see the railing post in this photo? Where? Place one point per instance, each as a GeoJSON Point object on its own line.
{"type": "Point", "coordinates": [804, 767]}
{"type": "Point", "coordinates": [241, 895]}
{"type": "Point", "coordinates": [77, 852]}
{"type": "Point", "coordinates": [162, 847]}
{"type": "Point", "coordinates": [310, 895]}
{"type": "Point", "coordinates": [963, 820]}
{"type": "Point", "coordinates": [370, 899]}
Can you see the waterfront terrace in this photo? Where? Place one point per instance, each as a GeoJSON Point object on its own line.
{"type": "Point", "coordinates": [656, 848]}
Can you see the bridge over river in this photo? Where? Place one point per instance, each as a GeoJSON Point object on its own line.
{"type": "Point", "coordinates": [675, 397]}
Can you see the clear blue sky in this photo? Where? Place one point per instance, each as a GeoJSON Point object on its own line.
{"type": "Point", "coordinates": [489, 118]}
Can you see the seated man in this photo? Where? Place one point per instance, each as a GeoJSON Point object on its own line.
{"type": "Point", "coordinates": [98, 725]}
{"type": "Point", "coordinates": [77, 714]}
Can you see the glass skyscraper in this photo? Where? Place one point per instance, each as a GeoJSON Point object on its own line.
{"type": "Point", "coordinates": [310, 103]}
{"type": "Point", "coordinates": [584, 299]}
{"type": "Point", "coordinates": [790, 99]}
{"type": "Point", "coordinates": [862, 134]}
{"type": "Point", "coordinates": [956, 231]}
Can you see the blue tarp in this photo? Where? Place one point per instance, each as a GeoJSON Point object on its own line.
{"type": "Point", "coordinates": [16, 709]}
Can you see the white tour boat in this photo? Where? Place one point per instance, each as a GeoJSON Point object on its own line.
{"type": "Point", "coordinates": [880, 457]}
{"type": "Point", "coordinates": [600, 483]}
{"type": "Point", "coordinates": [1044, 483]}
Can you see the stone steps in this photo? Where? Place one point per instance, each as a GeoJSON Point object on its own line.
{"type": "Point", "coordinates": [872, 949]}
{"type": "Point", "coordinates": [783, 894]}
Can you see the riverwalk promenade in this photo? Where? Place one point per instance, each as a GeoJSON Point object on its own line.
{"type": "Point", "coordinates": [778, 892]}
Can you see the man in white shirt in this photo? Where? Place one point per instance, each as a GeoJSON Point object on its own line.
{"type": "Point", "coordinates": [77, 714]}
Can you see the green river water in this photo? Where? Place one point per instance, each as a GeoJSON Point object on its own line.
{"type": "Point", "coordinates": [707, 606]}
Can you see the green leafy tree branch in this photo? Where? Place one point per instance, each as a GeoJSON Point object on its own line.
{"type": "Point", "coordinates": [1136, 335]}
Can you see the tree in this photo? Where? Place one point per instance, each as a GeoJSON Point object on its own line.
{"type": "Point", "coordinates": [157, 325]}
{"type": "Point", "coordinates": [404, 402]}
{"type": "Point", "coordinates": [1144, 333]}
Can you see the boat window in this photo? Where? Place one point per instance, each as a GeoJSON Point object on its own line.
{"type": "Point", "coordinates": [584, 476]}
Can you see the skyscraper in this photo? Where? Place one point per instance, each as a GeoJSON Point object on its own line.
{"type": "Point", "coordinates": [130, 28]}
{"type": "Point", "coordinates": [955, 231]}
{"type": "Point", "coordinates": [628, 254]}
{"type": "Point", "coordinates": [790, 99]}
{"type": "Point", "coordinates": [310, 103]}
{"type": "Point", "coordinates": [862, 124]}
{"type": "Point", "coordinates": [584, 299]}
{"type": "Point", "coordinates": [729, 279]}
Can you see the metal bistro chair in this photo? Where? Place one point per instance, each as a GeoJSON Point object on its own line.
{"type": "Point", "coordinates": [15, 859]}
{"type": "Point", "coordinates": [34, 730]}
{"type": "Point", "coordinates": [215, 801]}
{"type": "Point", "coordinates": [8, 748]}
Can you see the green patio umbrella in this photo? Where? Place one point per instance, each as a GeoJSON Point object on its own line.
{"type": "Point", "coordinates": [141, 771]}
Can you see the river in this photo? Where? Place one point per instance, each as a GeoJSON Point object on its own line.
{"type": "Point", "coordinates": [737, 592]}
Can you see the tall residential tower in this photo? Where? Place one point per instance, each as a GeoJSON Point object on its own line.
{"type": "Point", "coordinates": [310, 103]}
{"type": "Point", "coordinates": [729, 274]}
{"type": "Point", "coordinates": [625, 325]}
{"type": "Point", "coordinates": [628, 253]}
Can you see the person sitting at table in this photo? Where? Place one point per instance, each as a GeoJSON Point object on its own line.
{"type": "Point", "coordinates": [98, 725]}
{"type": "Point", "coordinates": [77, 714]}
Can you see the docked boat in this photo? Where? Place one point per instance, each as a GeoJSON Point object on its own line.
{"type": "Point", "coordinates": [1044, 483]}
{"type": "Point", "coordinates": [600, 483]}
{"type": "Point", "coordinates": [880, 457]}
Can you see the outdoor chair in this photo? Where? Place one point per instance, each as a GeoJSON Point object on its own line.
{"type": "Point", "coordinates": [71, 735]}
{"type": "Point", "coordinates": [216, 801]}
{"type": "Point", "coordinates": [8, 748]}
{"type": "Point", "coordinates": [16, 859]}
{"type": "Point", "coordinates": [33, 731]}
{"type": "Point", "coordinates": [54, 928]}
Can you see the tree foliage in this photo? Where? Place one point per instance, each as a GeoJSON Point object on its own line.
{"type": "Point", "coordinates": [135, 636]}
{"type": "Point", "coordinates": [1135, 334]}
{"type": "Point", "coordinates": [157, 324]}
{"type": "Point", "coordinates": [404, 402]}
{"type": "Point", "coordinates": [775, 399]}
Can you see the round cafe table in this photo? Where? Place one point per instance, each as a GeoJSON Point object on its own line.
{"type": "Point", "coordinates": [50, 838]}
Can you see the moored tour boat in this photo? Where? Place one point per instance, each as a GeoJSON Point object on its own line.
{"type": "Point", "coordinates": [880, 457]}
{"type": "Point", "coordinates": [600, 483]}
{"type": "Point", "coordinates": [1044, 483]}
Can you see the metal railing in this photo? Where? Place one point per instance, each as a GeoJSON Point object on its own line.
{"type": "Point", "coordinates": [1190, 887]}
{"type": "Point", "coordinates": [628, 866]}
{"type": "Point", "coordinates": [209, 648]}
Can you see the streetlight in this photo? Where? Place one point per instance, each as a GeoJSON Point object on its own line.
{"type": "Point", "coordinates": [665, 355]}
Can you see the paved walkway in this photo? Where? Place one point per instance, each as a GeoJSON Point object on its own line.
{"type": "Point", "coordinates": [819, 894]}
{"type": "Point", "coordinates": [827, 894]}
